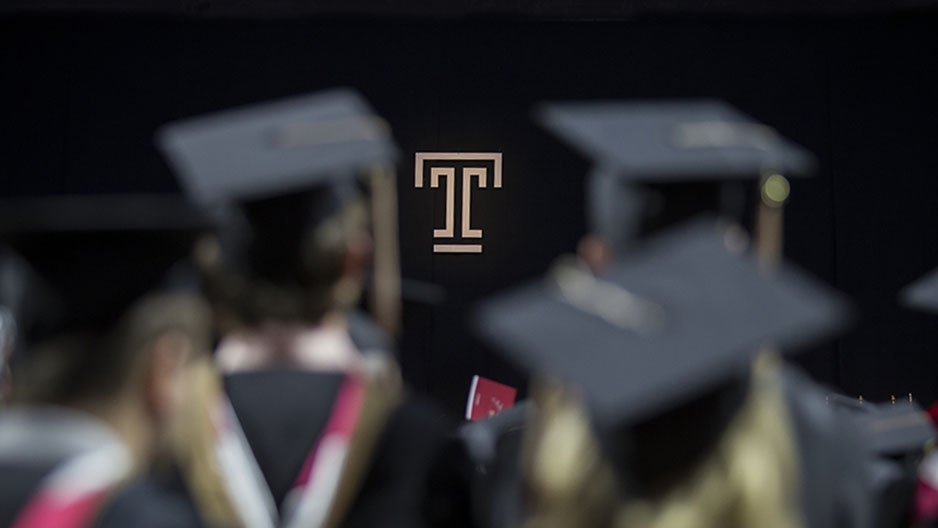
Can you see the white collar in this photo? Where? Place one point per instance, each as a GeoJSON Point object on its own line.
{"type": "Point", "coordinates": [325, 347]}
{"type": "Point", "coordinates": [49, 433]}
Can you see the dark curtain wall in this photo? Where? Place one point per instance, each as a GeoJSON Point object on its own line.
{"type": "Point", "coordinates": [81, 97]}
{"type": "Point", "coordinates": [599, 9]}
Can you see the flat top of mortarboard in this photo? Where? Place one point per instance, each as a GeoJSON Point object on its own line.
{"type": "Point", "coordinates": [276, 147]}
{"type": "Point", "coordinates": [673, 319]}
{"type": "Point", "coordinates": [93, 256]}
{"type": "Point", "coordinates": [922, 294]}
{"type": "Point", "coordinates": [681, 140]}
{"type": "Point", "coordinates": [844, 403]}
{"type": "Point", "coordinates": [892, 429]}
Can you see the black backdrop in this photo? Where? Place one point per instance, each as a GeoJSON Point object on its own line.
{"type": "Point", "coordinates": [81, 96]}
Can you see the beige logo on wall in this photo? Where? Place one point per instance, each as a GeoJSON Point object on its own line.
{"type": "Point", "coordinates": [458, 173]}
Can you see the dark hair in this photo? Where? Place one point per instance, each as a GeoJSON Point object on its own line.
{"type": "Point", "coordinates": [95, 367]}
{"type": "Point", "coordinates": [288, 268]}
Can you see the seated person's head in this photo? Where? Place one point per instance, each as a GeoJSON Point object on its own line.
{"type": "Point", "coordinates": [306, 257]}
{"type": "Point", "coordinates": [621, 213]}
{"type": "Point", "coordinates": [134, 370]}
{"type": "Point", "coordinates": [99, 328]}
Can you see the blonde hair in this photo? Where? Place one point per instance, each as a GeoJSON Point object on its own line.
{"type": "Point", "coordinates": [749, 480]}
{"type": "Point", "coordinates": [568, 483]}
{"type": "Point", "coordinates": [194, 446]}
{"type": "Point", "coordinates": [77, 369]}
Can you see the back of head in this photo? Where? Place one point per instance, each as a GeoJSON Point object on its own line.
{"type": "Point", "coordinates": [282, 164]}
{"type": "Point", "coordinates": [92, 268]}
{"type": "Point", "coordinates": [746, 477]}
{"type": "Point", "coordinates": [291, 263]}
{"type": "Point", "coordinates": [96, 367]}
{"type": "Point", "coordinates": [654, 346]}
{"type": "Point", "coordinates": [623, 213]}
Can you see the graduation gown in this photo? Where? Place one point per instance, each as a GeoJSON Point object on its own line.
{"type": "Point", "coordinates": [308, 453]}
{"type": "Point", "coordinates": [835, 490]}
{"type": "Point", "coordinates": [494, 445]}
{"type": "Point", "coordinates": [63, 468]}
{"type": "Point", "coordinates": [412, 474]}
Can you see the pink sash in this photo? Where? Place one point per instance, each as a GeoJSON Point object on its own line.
{"type": "Point", "coordinates": [74, 493]}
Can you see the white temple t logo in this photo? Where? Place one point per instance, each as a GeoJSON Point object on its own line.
{"type": "Point", "coordinates": [458, 170]}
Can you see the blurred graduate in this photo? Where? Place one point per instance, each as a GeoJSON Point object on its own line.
{"type": "Point", "coordinates": [102, 344]}
{"type": "Point", "coordinates": [310, 423]}
{"type": "Point", "coordinates": [659, 409]}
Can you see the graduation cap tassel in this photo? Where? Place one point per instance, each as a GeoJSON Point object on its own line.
{"type": "Point", "coordinates": [773, 192]}
{"type": "Point", "coordinates": [386, 296]}
{"type": "Point", "coordinates": [770, 225]}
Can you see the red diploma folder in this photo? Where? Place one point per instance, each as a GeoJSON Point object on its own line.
{"type": "Point", "coordinates": [488, 398]}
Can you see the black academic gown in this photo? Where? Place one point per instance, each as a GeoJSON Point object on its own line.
{"type": "Point", "coordinates": [494, 445]}
{"type": "Point", "coordinates": [414, 477]}
{"type": "Point", "coordinates": [146, 503]}
{"type": "Point", "coordinates": [18, 482]}
{"type": "Point", "coordinates": [895, 438]}
{"type": "Point", "coordinates": [35, 442]}
{"type": "Point", "coordinates": [140, 504]}
{"type": "Point", "coordinates": [835, 485]}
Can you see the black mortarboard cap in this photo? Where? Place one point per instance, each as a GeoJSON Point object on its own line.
{"type": "Point", "coordinates": [895, 429]}
{"type": "Point", "coordinates": [922, 294]}
{"type": "Point", "coordinates": [91, 257]}
{"type": "Point", "coordinates": [690, 157]}
{"type": "Point", "coordinates": [675, 319]}
{"type": "Point", "coordinates": [685, 140]}
{"type": "Point", "coordinates": [288, 165]}
{"type": "Point", "coordinates": [26, 301]}
{"type": "Point", "coordinates": [843, 403]}
{"type": "Point", "coordinates": [277, 148]}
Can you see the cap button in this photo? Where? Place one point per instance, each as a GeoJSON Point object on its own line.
{"type": "Point", "coordinates": [775, 190]}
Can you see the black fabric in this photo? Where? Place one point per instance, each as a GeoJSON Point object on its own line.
{"type": "Point", "coordinates": [835, 488]}
{"type": "Point", "coordinates": [282, 226]}
{"type": "Point", "coordinates": [656, 453]}
{"type": "Point", "coordinates": [417, 477]}
{"type": "Point", "coordinates": [139, 504]}
{"type": "Point", "coordinates": [429, 8]}
{"type": "Point", "coordinates": [283, 413]}
{"type": "Point", "coordinates": [419, 474]}
{"type": "Point", "coordinates": [856, 91]}
{"type": "Point", "coordinates": [895, 497]}
{"type": "Point", "coordinates": [145, 504]}
{"type": "Point", "coordinates": [448, 500]}
{"type": "Point", "coordinates": [672, 203]}
{"type": "Point", "coordinates": [18, 483]}
{"type": "Point", "coordinates": [494, 446]}
{"type": "Point", "coordinates": [500, 502]}
{"type": "Point", "coordinates": [171, 481]}
{"type": "Point", "coordinates": [113, 268]}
